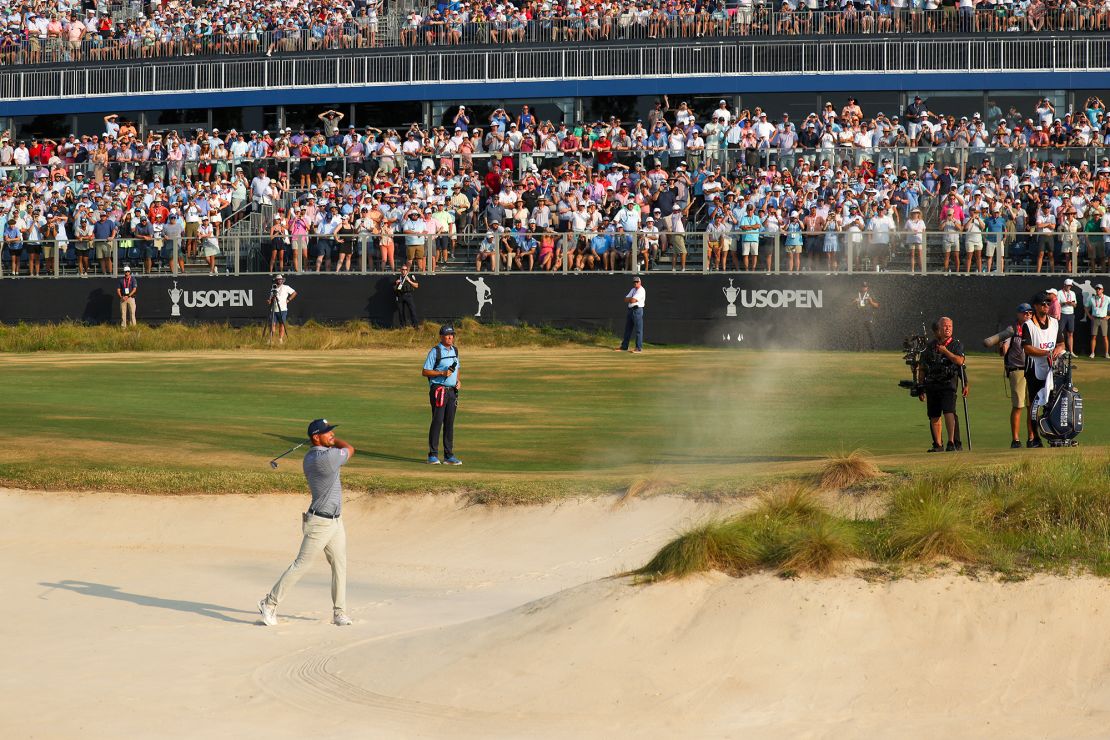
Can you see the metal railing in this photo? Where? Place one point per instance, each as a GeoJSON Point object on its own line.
{"type": "Point", "coordinates": [297, 174]}
{"type": "Point", "coordinates": [514, 250]}
{"type": "Point", "coordinates": [395, 30]}
{"type": "Point", "coordinates": [359, 68]}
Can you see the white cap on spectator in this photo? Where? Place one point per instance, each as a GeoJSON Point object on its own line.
{"type": "Point", "coordinates": [1069, 281]}
{"type": "Point", "coordinates": [127, 268]}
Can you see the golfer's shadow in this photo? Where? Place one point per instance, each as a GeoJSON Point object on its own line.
{"type": "Point", "coordinates": [287, 438]}
{"type": "Point", "coordinates": [386, 456]}
{"type": "Point", "coordinates": [212, 611]}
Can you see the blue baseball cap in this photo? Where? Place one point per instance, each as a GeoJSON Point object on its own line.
{"type": "Point", "coordinates": [320, 426]}
{"type": "Point", "coordinates": [1023, 307]}
{"type": "Point", "coordinates": [446, 329]}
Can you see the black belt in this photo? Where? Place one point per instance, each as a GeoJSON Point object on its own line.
{"type": "Point", "coordinates": [322, 515]}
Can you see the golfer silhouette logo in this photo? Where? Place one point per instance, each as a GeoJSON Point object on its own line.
{"type": "Point", "coordinates": [175, 298]}
{"type": "Point", "coordinates": [1087, 292]}
{"type": "Point", "coordinates": [731, 294]}
{"type": "Point", "coordinates": [482, 292]}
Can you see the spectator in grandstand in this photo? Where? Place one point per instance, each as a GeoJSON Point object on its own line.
{"type": "Point", "coordinates": [104, 234]}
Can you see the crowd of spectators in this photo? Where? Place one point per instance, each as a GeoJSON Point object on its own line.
{"type": "Point", "coordinates": [37, 31]}
{"type": "Point", "coordinates": [516, 192]}
{"type": "Point", "coordinates": [62, 30]}
{"type": "Point", "coordinates": [481, 21]}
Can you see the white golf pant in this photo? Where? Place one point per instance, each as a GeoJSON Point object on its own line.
{"type": "Point", "coordinates": [319, 534]}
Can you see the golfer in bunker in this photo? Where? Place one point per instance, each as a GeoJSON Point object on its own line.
{"type": "Point", "coordinates": [321, 524]}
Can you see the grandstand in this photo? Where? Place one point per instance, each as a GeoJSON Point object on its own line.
{"type": "Point", "coordinates": [574, 146]}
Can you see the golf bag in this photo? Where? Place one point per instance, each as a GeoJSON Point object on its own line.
{"type": "Point", "coordinates": [1060, 419]}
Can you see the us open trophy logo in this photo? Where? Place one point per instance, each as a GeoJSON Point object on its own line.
{"type": "Point", "coordinates": [175, 298]}
{"type": "Point", "coordinates": [482, 293]}
{"type": "Point", "coordinates": [731, 294]}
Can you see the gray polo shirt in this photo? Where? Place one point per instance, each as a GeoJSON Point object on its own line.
{"type": "Point", "coordinates": [321, 470]}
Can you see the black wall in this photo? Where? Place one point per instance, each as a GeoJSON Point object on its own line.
{"type": "Point", "coordinates": [681, 309]}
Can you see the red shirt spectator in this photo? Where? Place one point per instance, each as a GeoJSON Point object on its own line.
{"type": "Point", "coordinates": [604, 149]}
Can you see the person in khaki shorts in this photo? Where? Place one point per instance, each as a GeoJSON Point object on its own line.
{"type": "Point", "coordinates": [321, 524]}
{"type": "Point", "coordinates": [1013, 355]}
{"type": "Point", "coordinates": [676, 238]}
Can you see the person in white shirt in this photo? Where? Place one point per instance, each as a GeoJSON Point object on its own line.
{"type": "Point", "coordinates": [634, 321]}
{"type": "Point", "coordinates": [1068, 302]}
{"type": "Point", "coordinates": [1097, 307]}
{"type": "Point", "coordinates": [280, 298]}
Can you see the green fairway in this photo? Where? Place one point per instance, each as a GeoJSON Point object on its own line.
{"type": "Point", "coordinates": [533, 422]}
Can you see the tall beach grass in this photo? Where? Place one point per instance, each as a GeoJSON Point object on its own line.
{"type": "Point", "coordinates": [1046, 515]}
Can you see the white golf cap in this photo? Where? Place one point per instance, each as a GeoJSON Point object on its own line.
{"type": "Point", "coordinates": [127, 268]}
{"type": "Point", "coordinates": [1069, 281]}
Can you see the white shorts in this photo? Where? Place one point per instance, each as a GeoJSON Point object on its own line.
{"type": "Point", "coordinates": [974, 245]}
{"type": "Point", "coordinates": [750, 249]}
{"type": "Point", "coordinates": [951, 244]}
{"type": "Point", "coordinates": [991, 248]}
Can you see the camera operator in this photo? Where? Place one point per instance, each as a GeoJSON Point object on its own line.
{"type": "Point", "coordinates": [1012, 351]}
{"type": "Point", "coordinates": [281, 295]}
{"type": "Point", "coordinates": [1041, 341]}
{"type": "Point", "coordinates": [941, 366]}
{"type": "Point", "coordinates": [403, 288]}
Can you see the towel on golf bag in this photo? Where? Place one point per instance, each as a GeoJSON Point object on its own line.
{"type": "Point", "coordinates": [1042, 397]}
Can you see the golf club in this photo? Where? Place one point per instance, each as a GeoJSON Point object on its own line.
{"type": "Point", "coordinates": [273, 463]}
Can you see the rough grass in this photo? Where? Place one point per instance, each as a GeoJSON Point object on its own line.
{"type": "Point", "coordinates": [1047, 515]}
{"type": "Point", "coordinates": [845, 471]}
{"type": "Point", "coordinates": [789, 531]}
{"type": "Point", "coordinates": [175, 336]}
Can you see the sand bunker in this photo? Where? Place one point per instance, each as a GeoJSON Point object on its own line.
{"type": "Point", "coordinates": [129, 615]}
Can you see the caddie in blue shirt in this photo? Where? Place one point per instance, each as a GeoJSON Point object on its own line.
{"type": "Point", "coordinates": [441, 368]}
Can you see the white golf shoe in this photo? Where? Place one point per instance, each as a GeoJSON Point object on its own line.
{"type": "Point", "coordinates": [341, 620]}
{"type": "Point", "coordinates": [268, 612]}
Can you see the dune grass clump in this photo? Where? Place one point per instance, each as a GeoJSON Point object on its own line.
{"type": "Point", "coordinates": [935, 517]}
{"type": "Point", "coordinates": [788, 531]}
{"type": "Point", "coordinates": [818, 546]}
{"type": "Point", "coordinates": [845, 471]}
{"type": "Point", "coordinates": [727, 546]}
